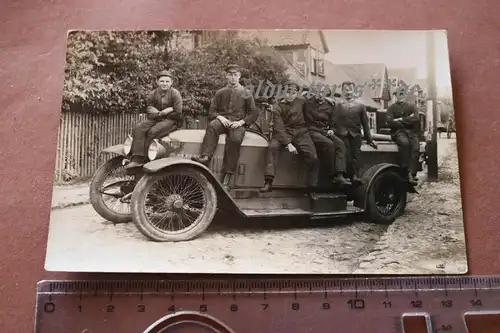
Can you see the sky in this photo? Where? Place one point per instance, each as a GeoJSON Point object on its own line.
{"type": "Point", "coordinates": [397, 49]}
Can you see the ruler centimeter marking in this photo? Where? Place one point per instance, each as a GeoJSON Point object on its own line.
{"type": "Point", "coordinates": [267, 285]}
{"type": "Point", "coordinates": [379, 305]}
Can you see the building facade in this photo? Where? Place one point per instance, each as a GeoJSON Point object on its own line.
{"type": "Point", "coordinates": [304, 52]}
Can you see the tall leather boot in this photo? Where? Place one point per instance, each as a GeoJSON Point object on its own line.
{"type": "Point", "coordinates": [268, 186]}
{"type": "Point", "coordinates": [340, 179]}
{"type": "Point", "coordinates": [137, 161]}
{"type": "Point", "coordinates": [201, 159]}
{"type": "Point", "coordinates": [226, 181]}
{"type": "Point", "coordinates": [411, 179]}
{"type": "Point", "coordinates": [355, 179]}
{"type": "Point", "coordinates": [408, 176]}
{"type": "Point", "coordinates": [414, 175]}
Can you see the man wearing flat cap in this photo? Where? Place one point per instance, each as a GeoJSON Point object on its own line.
{"type": "Point", "coordinates": [290, 132]}
{"type": "Point", "coordinates": [231, 111]}
{"type": "Point", "coordinates": [164, 115]}
{"type": "Point", "coordinates": [403, 120]}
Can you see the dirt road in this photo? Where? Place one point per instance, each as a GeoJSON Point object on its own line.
{"type": "Point", "coordinates": [429, 238]}
{"type": "Point", "coordinates": [80, 240]}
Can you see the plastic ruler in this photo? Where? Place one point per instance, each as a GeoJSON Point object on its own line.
{"type": "Point", "coordinates": [447, 304]}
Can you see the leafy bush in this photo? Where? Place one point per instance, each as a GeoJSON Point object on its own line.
{"type": "Point", "coordinates": [114, 71]}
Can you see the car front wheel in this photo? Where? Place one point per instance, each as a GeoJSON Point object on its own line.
{"type": "Point", "coordinates": [176, 204]}
{"type": "Point", "coordinates": [110, 191]}
{"type": "Point", "coordinates": [386, 198]}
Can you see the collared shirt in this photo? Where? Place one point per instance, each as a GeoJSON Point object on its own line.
{"type": "Point", "coordinates": [405, 110]}
{"type": "Point", "coordinates": [289, 119]}
{"type": "Point", "coordinates": [319, 115]}
{"type": "Point", "coordinates": [160, 100]}
{"type": "Point", "coordinates": [234, 103]}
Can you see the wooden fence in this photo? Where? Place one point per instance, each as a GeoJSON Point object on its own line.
{"type": "Point", "coordinates": [82, 136]}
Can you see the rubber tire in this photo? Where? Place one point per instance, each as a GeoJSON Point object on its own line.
{"type": "Point", "coordinates": [138, 202]}
{"type": "Point", "coordinates": [373, 214]}
{"type": "Point", "coordinates": [96, 197]}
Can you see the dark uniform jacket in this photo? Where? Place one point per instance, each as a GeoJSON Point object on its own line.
{"type": "Point", "coordinates": [161, 100]}
{"type": "Point", "coordinates": [289, 119]}
{"type": "Point", "coordinates": [319, 116]}
{"type": "Point", "coordinates": [409, 114]}
{"type": "Point", "coordinates": [350, 118]}
{"type": "Point", "coordinates": [234, 103]}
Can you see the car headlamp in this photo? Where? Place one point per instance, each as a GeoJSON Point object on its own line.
{"type": "Point", "coordinates": [127, 145]}
{"type": "Point", "coordinates": [156, 150]}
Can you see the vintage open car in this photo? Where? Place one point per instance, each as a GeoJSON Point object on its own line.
{"type": "Point", "coordinates": [173, 198]}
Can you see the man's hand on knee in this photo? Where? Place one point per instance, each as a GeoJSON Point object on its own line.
{"type": "Point", "coordinates": [236, 124]}
{"type": "Point", "coordinates": [224, 121]}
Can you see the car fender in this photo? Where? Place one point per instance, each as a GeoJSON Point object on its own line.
{"type": "Point", "coordinates": [367, 180]}
{"type": "Point", "coordinates": [116, 149]}
{"type": "Point", "coordinates": [167, 162]}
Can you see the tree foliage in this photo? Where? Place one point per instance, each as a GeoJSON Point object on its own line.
{"type": "Point", "coordinates": [109, 71]}
{"type": "Point", "coordinates": [200, 72]}
{"type": "Point", "coordinates": [114, 71]}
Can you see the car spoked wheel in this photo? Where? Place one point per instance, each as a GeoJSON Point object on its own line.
{"type": "Point", "coordinates": [386, 197]}
{"type": "Point", "coordinates": [111, 191]}
{"type": "Point", "coordinates": [175, 205]}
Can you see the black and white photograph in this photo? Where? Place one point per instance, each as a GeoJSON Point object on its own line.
{"type": "Point", "coordinates": [257, 152]}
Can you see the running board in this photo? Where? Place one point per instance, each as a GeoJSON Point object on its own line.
{"type": "Point", "coordinates": [275, 212]}
{"type": "Point", "coordinates": [299, 212]}
{"type": "Point", "coordinates": [350, 210]}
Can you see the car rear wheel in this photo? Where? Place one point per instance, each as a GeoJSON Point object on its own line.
{"type": "Point", "coordinates": [386, 198]}
{"type": "Point", "coordinates": [176, 204]}
{"type": "Point", "coordinates": [110, 191]}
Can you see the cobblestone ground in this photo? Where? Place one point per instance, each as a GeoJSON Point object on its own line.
{"type": "Point", "coordinates": [429, 237]}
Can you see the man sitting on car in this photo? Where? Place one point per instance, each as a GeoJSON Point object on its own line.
{"type": "Point", "coordinates": [351, 125]}
{"type": "Point", "coordinates": [330, 148]}
{"type": "Point", "coordinates": [290, 131]}
{"type": "Point", "coordinates": [403, 120]}
{"type": "Point", "coordinates": [232, 110]}
{"type": "Point", "coordinates": [164, 115]}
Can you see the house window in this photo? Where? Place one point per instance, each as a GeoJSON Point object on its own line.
{"type": "Point", "coordinates": [296, 59]}
{"type": "Point", "coordinates": [301, 67]}
{"type": "Point", "coordinates": [372, 122]}
{"type": "Point", "coordinates": [317, 62]}
{"type": "Point", "coordinates": [319, 67]}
